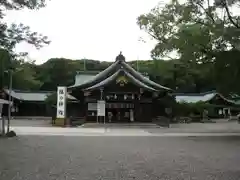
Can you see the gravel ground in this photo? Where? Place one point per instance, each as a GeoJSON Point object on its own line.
{"type": "Point", "coordinates": [93, 158]}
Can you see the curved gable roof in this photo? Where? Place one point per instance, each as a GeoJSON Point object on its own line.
{"type": "Point", "coordinates": [107, 74]}
{"type": "Point", "coordinates": [95, 79]}
{"type": "Point", "coordinates": [139, 76]}
{"type": "Point", "coordinates": [104, 82]}
{"type": "Point", "coordinates": [114, 77]}
{"type": "Point", "coordinates": [204, 97]}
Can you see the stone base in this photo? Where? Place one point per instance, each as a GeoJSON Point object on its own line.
{"type": "Point", "coordinates": [208, 121]}
{"type": "Point", "coordinates": [59, 122]}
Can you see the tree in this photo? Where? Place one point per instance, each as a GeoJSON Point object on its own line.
{"type": "Point", "coordinates": [59, 72]}
{"type": "Point", "coordinates": [5, 64]}
{"type": "Point", "coordinates": [25, 77]}
{"type": "Point", "coordinates": [13, 34]}
{"type": "Point", "coordinates": [23, 73]}
{"type": "Point", "coordinates": [197, 32]}
{"type": "Point", "coordinates": [51, 100]}
{"type": "Point", "coordinates": [226, 5]}
{"type": "Point", "coordinates": [226, 69]}
{"type": "Point", "coordinates": [194, 29]}
{"type": "Point", "coordinates": [10, 36]}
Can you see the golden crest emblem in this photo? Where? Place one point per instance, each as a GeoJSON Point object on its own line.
{"type": "Point", "coordinates": [122, 80]}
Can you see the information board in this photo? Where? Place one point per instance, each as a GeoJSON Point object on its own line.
{"type": "Point", "coordinates": [101, 106]}
{"type": "Point", "coordinates": [92, 106]}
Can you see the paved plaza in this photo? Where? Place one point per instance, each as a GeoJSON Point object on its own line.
{"type": "Point", "coordinates": [182, 152]}
{"type": "Point", "coordinates": [120, 158]}
{"type": "Point", "coordinates": [43, 128]}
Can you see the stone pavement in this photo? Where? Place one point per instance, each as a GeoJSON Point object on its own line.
{"type": "Point", "coordinates": [43, 127]}
{"type": "Point", "coordinates": [55, 131]}
{"type": "Point", "coordinates": [232, 129]}
{"type": "Point", "coordinates": [119, 158]}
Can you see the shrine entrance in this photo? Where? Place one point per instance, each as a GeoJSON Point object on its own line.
{"type": "Point", "coordinates": [119, 112]}
{"type": "Point", "coordinates": [129, 95]}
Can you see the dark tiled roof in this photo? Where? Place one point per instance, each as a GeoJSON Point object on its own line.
{"type": "Point", "coordinates": [115, 75]}
{"type": "Point", "coordinates": [89, 81]}
{"type": "Point", "coordinates": [3, 101]}
{"type": "Point", "coordinates": [81, 79]}
{"type": "Point", "coordinates": [142, 78]}
{"type": "Point", "coordinates": [29, 95]}
{"type": "Point", "coordinates": [204, 97]}
{"type": "Point", "coordinates": [37, 96]}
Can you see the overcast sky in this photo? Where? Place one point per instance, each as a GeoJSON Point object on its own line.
{"type": "Point", "coordinates": [95, 29]}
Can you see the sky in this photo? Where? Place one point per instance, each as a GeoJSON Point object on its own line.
{"type": "Point", "coordinates": [93, 29]}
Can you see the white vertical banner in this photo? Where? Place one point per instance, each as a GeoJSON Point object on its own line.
{"type": "Point", "coordinates": [1, 107]}
{"type": "Point", "coordinates": [61, 101]}
{"type": "Point", "coordinates": [101, 108]}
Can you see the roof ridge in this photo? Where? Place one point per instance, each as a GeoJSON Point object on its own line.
{"type": "Point", "coordinates": [98, 76]}
{"type": "Point", "coordinates": [29, 91]}
{"type": "Point", "coordinates": [139, 82]}
{"type": "Point", "coordinates": [142, 78]}
{"type": "Point", "coordinates": [120, 63]}
{"type": "Point", "coordinates": [195, 94]}
{"type": "Point", "coordinates": [113, 76]}
{"type": "Point", "coordinates": [105, 81]}
{"type": "Point", "coordinates": [87, 72]}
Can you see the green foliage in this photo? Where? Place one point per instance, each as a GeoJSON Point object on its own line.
{"type": "Point", "coordinates": [188, 109]}
{"type": "Point", "coordinates": [226, 4]}
{"type": "Point", "coordinates": [5, 64]}
{"type": "Point", "coordinates": [226, 69]}
{"type": "Point", "coordinates": [206, 37]}
{"type": "Point", "coordinates": [56, 72]}
{"type": "Point", "coordinates": [24, 77]}
{"type": "Point", "coordinates": [23, 73]}
{"type": "Point", "coordinates": [60, 71]}
{"type": "Point", "coordinates": [194, 29]}
{"type": "Point", "coordinates": [51, 100]}
{"type": "Point", "coordinates": [11, 35]}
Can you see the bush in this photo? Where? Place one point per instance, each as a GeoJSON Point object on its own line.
{"type": "Point", "coordinates": [192, 109]}
{"type": "Point", "coordinates": [11, 134]}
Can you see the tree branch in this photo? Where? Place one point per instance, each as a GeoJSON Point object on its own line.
{"type": "Point", "coordinates": [229, 15]}
{"type": "Point", "coordinates": [207, 12]}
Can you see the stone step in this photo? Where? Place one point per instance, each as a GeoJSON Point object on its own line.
{"type": "Point", "coordinates": [123, 125]}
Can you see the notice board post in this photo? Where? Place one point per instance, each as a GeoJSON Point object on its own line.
{"type": "Point", "coordinates": [101, 107]}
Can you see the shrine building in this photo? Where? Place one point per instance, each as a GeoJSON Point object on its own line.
{"type": "Point", "coordinates": [129, 95]}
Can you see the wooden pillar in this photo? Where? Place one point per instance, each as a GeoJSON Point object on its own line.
{"type": "Point", "coordinates": [138, 108]}
{"type": "Point", "coordinates": [85, 106]}
{"type": "Point", "coordinates": [135, 110]}
{"type": "Point", "coordinates": [101, 94]}
{"type": "Point", "coordinates": [101, 119]}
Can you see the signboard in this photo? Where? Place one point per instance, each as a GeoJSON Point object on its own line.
{"type": "Point", "coordinates": [101, 108]}
{"type": "Point", "coordinates": [120, 105]}
{"type": "Point", "coordinates": [92, 106]}
{"type": "Point", "coordinates": [61, 102]}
